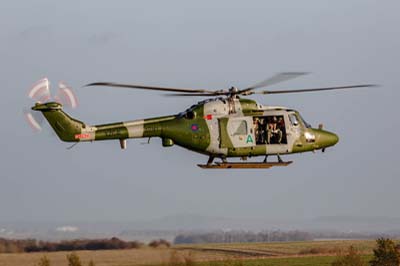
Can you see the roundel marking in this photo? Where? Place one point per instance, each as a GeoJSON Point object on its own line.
{"type": "Point", "coordinates": [194, 127]}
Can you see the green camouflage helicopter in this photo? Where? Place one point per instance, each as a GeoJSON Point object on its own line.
{"type": "Point", "coordinates": [220, 127]}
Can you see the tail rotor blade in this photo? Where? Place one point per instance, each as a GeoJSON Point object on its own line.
{"type": "Point", "coordinates": [34, 120]}
{"type": "Point", "coordinates": [66, 96]}
{"type": "Point", "coordinates": [40, 91]}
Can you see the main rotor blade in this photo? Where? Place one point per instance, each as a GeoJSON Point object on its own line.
{"type": "Point", "coordinates": [315, 89]}
{"type": "Point", "coordinates": [131, 86]}
{"type": "Point", "coordinates": [280, 77]}
{"type": "Point", "coordinates": [196, 94]}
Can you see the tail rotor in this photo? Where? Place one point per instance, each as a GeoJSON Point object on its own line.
{"type": "Point", "coordinates": [40, 93]}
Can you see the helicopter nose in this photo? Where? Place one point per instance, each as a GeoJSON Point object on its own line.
{"type": "Point", "coordinates": [327, 139]}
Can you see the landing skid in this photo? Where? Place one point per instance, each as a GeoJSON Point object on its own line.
{"type": "Point", "coordinates": [240, 165]}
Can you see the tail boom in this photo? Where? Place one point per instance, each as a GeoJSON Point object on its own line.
{"type": "Point", "coordinates": [71, 130]}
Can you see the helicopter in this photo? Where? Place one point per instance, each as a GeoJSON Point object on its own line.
{"type": "Point", "coordinates": [225, 125]}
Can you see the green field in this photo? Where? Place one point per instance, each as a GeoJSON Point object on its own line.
{"type": "Point", "coordinates": [282, 248]}
{"type": "Point", "coordinates": [315, 253]}
{"type": "Point", "coordinates": [290, 261]}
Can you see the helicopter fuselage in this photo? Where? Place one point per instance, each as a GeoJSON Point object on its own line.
{"type": "Point", "coordinates": [220, 127]}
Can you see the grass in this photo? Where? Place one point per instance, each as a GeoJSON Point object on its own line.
{"type": "Point", "coordinates": [315, 253]}
{"type": "Point", "coordinates": [130, 257]}
{"type": "Point", "coordinates": [290, 261]}
{"type": "Point", "coordinates": [282, 248]}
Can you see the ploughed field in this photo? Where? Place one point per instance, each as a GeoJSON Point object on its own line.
{"type": "Point", "coordinates": [272, 254]}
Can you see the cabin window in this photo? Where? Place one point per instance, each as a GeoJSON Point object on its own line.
{"type": "Point", "coordinates": [190, 115]}
{"type": "Point", "coordinates": [240, 127]}
{"type": "Point", "coordinates": [270, 129]}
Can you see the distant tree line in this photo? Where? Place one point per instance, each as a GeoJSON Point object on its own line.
{"type": "Point", "coordinates": [242, 236]}
{"type": "Point", "coordinates": [32, 245]}
{"type": "Point", "coordinates": [352, 235]}
{"type": "Point", "coordinates": [159, 243]}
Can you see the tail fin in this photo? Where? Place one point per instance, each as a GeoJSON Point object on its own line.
{"type": "Point", "coordinates": [66, 127]}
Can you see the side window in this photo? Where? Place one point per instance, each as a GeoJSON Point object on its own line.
{"type": "Point", "coordinates": [293, 119]}
{"type": "Point", "coordinates": [240, 128]}
{"type": "Point", "coordinates": [190, 115]}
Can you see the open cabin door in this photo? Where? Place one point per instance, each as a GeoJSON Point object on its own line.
{"type": "Point", "coordinates": [236, 132]}
{"type": "Point", "coordinates": [272, 130]}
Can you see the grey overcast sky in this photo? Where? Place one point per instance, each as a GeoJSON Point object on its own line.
{"type": "Point", "coordinates": [199, 44]}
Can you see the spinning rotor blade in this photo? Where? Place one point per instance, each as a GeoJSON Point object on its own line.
{"type": "Point", "coordinates": [66, 96]}
{"type": "Point", "coordinates": [40, 91]}
{"type": "Point", "coordinates": [314, 89]}
{"type": "Point", "coordinates": [34, 119]}
{"type": "Point", "coordinates": [206, 94]}
{"type": "Point", "coordinates": [196, 94]}
{"type": "Point", "coordinates": [280, 77]}
{"type": "Point", "coordinates": [232, 91]}
{"type": "Point", "coordinates": [131, 86]}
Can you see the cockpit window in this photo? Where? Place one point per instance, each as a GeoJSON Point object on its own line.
{"type": "Point", "coordinates": [296, 118]}
{"type": "Point", "coordinates": [293, 119]}
{"type": "Point", "coordinates": [307, 125]}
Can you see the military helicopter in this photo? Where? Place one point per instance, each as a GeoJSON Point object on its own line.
{"type": "Point", "coordinates": [223, 126]}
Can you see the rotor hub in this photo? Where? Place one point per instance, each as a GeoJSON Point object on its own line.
{"type": "Point", "coordinates": [233, 90]}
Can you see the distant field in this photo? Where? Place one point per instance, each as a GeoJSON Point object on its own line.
{"type": "Point", "coordinates": [315, 253]}
{"type": "Point", "coordinates": [281, 248]}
